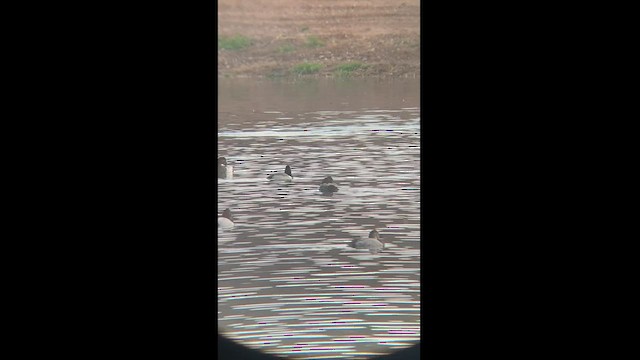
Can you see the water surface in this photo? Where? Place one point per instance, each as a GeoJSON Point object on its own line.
{"type": "Point", "coordinates": [288, 282]}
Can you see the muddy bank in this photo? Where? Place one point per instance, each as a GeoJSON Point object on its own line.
{"type": "Point", "coordinates": [325, 38]}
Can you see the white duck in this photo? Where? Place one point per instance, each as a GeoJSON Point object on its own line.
{"type": "Point", "coordinates": [226, 220]}
{"type": "Point", "coordinates": [286, 176]}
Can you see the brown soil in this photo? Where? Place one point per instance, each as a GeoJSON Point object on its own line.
{"type": "Point", "coordinates": [382, 35]}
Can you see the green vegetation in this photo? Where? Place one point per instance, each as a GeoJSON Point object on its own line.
{"type": "Point", "coordinates": [307, 68]}
{"type": "Point", "coordinates": [234, 42]}
{"type": "Point", "coordinates": [347, 68]}
{"type": "Point", "coordinates": [314, 42]}
{"type": "Point", "coordinates": [277, 73]}
{"type": "Point", "coordinates": [286, 48]}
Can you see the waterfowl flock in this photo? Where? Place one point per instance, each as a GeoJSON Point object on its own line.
{"type": "Point", "coordinates": [328, 187]}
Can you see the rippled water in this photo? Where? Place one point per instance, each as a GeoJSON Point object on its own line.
{"type": "Point", "coordinates": [288, 282]}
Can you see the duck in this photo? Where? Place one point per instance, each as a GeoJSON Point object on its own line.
{"type": "Point", "coordinates": [286, 176]}
{"type": "Point", "coordinates": [373, 242]}
{"type": "Point", "coordinates": [328, 187]}
{"type": "Point", "coordinates": [224, 171]}
{"type": "Point", "coordinates": [226, 220]}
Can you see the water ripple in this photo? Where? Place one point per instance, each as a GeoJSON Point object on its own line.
{"type": "Point", "coordinates": [288, 281]}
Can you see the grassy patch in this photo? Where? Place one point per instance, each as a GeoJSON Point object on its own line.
{"type": "Point", "coordinates": [276, 73]}
{"type": "Point", "coordinates": [233, 42]}
{"type": "Point", "coordinates": [347, 68]}
{"type": "Point", "coordinates": [307, 68]}
{"type": "Point", "coordinates": [314, 42]}
{"type": "Point", "coordinates": [286, 48]}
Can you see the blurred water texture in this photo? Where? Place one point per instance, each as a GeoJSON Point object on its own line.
{"type": "Point", "coordinates": [288, 282]}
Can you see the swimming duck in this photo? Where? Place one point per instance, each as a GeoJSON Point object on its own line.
{"type": "Point", "coordinates": [224, 171]}
{"type": "Point", "coordinates": [328, 187]}
{"type": "Point", "coordinates": [373, 242]}
{"type": "Point", "coordinates": [286, 176]}
{"type": "Point", "coordinates": [226, 220]}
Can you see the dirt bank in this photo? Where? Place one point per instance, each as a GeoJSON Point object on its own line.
{"type": "Point", "coordinates": [284, 38]}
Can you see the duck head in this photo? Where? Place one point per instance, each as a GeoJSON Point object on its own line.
{"type": "Point", "coordinates": [227, 213]}
{"type": "Point", "coordinates": [327, 180]}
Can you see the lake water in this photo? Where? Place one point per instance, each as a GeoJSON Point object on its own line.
{"type": "Point", "coordinates": [288, 281]}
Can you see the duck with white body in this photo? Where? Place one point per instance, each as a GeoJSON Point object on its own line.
{"type": "Point", "coordinates": [226, 220]}
{"type": "Point", "coordinates": [286, 176]}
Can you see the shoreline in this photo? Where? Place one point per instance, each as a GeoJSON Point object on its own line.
{"type": "Point", "coordinates": [327, 39]}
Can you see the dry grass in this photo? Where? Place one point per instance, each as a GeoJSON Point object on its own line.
{"type": "Point", "coordinates": [383, 34]}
